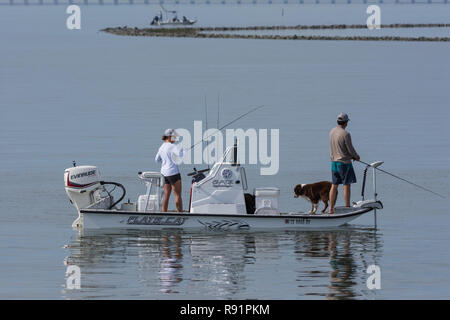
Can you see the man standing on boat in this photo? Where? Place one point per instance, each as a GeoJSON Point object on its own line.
{"type": "Point", "coordinates": [167, 154]}
{"type": "Point", "coordinates": [342, 153]}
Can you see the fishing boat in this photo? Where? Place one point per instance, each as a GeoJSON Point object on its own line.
{"type": "Point", "coordinates": [219, 200]}
{"type": "Point", "coordinates": [159, 20]}
{"type": "Point", "coordinates": [172, 22]}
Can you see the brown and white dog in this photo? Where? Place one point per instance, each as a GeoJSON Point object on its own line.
{"type": "Point", "coordinates": [314, 193]}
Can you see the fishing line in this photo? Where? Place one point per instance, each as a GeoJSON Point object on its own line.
{"type": "Point", "coordinates": [412, 183]}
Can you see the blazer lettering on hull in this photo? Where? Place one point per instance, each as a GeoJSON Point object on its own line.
{"type": "Point", "coordinates": [169, 221]}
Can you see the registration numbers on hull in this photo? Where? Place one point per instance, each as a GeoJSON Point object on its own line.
{"type": "Point", "coordinates": [297, 221]}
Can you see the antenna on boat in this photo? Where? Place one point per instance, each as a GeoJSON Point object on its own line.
{"type": "Point", "coordinates": [206, 127]}
{"type": "Point", "coordinates": [217, 125]}
{"type": "Point", "coordinates": [218, 109]}
{"type": "Point", "coordinates": [397, 177]}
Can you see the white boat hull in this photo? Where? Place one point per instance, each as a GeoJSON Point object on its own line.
{"type": "Point", "coordinates": [176, 23]}
{"type": "Point", "coordinates": [112, 219]}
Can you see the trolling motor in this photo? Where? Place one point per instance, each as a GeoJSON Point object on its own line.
{"type": "Point", "coordinates": [374, 166]}
{"type": "Point", "coordinates": [364, 182]}
{"type": "Point", "coordinates": [374, 203]}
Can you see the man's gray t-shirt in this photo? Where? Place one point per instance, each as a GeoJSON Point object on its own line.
{"type": "Point", "coordinates": [341, 147]}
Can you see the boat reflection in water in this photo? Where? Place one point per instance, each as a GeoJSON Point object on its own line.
{"type": "Point", "coordinates": [348, 255]}
{"type": "Point", "coordinates": [174, 264]}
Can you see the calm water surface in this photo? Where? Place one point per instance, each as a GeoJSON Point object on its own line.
{"type": "Point", "coordinates": [104, 100]}
{"type": "Point", "coordinates": [171, 265]}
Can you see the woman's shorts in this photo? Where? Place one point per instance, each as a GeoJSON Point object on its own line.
{"type": "Point", "coordinates": [342, 173]}
{"type": "Point", "coordinates": [172, 179]}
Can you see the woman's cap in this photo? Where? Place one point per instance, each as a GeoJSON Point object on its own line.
{"type": "Point", "coordinates": [170, 133]}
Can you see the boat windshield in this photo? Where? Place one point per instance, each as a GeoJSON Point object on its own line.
{"type": "Point", "coordinates": [227, 157]}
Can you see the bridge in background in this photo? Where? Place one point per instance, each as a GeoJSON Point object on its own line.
{"type": "Point", "coordinates": [211, 2]}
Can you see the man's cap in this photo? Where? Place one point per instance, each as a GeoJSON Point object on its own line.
{"type": "Point", "coordinates": [343, 117]}
{"type": "Point", "coordinates": [170, 133]}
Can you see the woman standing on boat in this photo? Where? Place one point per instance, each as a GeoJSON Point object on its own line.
{"type": "Point", "coordinates": [167, 155]}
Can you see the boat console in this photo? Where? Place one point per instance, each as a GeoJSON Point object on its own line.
{"type": "Point", "coordinates": [222, 191]}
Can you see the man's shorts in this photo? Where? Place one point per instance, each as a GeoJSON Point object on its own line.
{"type": "Point", "coordinates": [342, 173]}
{"type": "Point", "coordinates": [172, 179]}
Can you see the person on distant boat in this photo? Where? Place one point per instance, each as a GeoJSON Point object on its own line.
{"type": "Point", "coordinates": [167, 155]}
{"type": "Point", "coordinates": [342, 153]}
{"type": "Point", "coordinates": [155, 20]}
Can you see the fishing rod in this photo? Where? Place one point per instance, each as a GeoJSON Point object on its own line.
{"type": "Point", "coordinates": [412, 183]}
{"type": "Point", "coordinates": [226, 125]}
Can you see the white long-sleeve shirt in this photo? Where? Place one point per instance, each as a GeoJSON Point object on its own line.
{"type": "Point", "coordinates": [167, 155]}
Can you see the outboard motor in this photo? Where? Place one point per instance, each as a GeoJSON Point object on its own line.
{"type": "Point", "coordinates": [83, 185]}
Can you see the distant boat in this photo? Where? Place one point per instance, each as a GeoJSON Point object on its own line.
{"type": "Point", "coordinates": [173, 22]}
{"type": "Point", "coordinates": [159, 20]}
